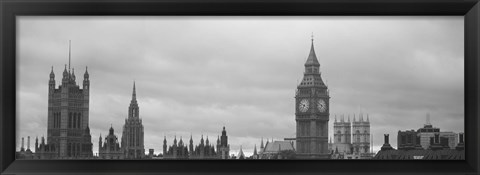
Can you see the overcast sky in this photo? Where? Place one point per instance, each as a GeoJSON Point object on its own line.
{"type": "Point", "coordinates": [195, 75]}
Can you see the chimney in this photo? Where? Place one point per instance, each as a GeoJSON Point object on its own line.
{"type": "Point", "coordinates": [23, 145]}
{"type": "Point", "coordinates": [28, 143]}
{"type": "Point", "coordinates": [386, 145]}
{"type": "Point", "coordinates": [460, 137]}
{"type": "Point", "coordinates": [460, 145]}
{"type": "Point", "coordinates": [386, 138]}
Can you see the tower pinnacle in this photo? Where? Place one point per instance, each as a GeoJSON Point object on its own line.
{"type": "Point", "coordinates": [69, 54]}
{"type": "Point", "coordinates": [134, 93]}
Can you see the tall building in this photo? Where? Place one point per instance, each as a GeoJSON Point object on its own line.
{"type": "Point", "coordinates": [342, 135]}
{"type": "Point", "coordinates": [110, 148]}
{"type": "Point", "coordinates": [361, 135]}
{"type": "Point", "coordinates": [223, 148]}
{"type": "Point", "coordinates": [351, 145]}
{"type": "Point", "coordinates": [312, 112]}
{"type": "Point", "coordinates": [204, 150]}
{"type": "Point", "coordinates": [132, 137]}
{"type": "Point", "coordinates": [428, 131]}
{"type": "Point", "coordinates": [68, 135]}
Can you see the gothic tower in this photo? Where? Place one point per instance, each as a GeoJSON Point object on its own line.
{"type": "Point", "coordinates": [68, 133]}
{"type": "Point", "coordinates": [342, 131]}
{"type": "Point", "coordinates": [312, 112]}
{"type": "Point", "coordinates": [223, 147]}
{"type": "Point", "coordinates": [361, 135]}
{"type": "Point", "coordinates": [132, 137]}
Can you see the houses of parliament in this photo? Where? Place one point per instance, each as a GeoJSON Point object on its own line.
{"type": "Point", "coordinates": [68, 132]}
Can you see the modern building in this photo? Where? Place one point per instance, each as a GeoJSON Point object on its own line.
{"type": "Point", "coordinates": [429, 131]}
{"type": "Point", "coordinates": [312, 112]}
{"type": "Point", "coordinates": [132, 137]}
{"type": "Point", "coordinates": [110, 147]}
{"type": "Point", "coordinates": [436, 151]}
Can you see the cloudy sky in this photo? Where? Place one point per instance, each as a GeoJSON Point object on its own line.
{"type": "Point", "coordinates": [196, 74]}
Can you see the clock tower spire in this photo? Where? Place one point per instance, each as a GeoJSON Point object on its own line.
{"type": "Point", "coordinates": [312, 111]}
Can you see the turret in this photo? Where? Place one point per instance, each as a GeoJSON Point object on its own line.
{"type": "Point", "coordinates": [100, 142]}
{"type": "Point", "coordinates": [261, 144]}
{"type": "Point", "coordinates": [191, 145]}
{"type": "Point", "coordinates": [175, 141]}
{"type": "Point", "coordinates": [73, 75]}
{"type": "Point", "coordinates": [86, 81]}
{"type": "Point", "coordinates": [224, 137]}
{"type": "Point", "coordinates": [164, 145]}
{"type": "Point", "coordinates": [51, 82]}
{"type": "Point", "coordinates": [36, 144]}
{"type": "Point", "coordinates": [65, 77]}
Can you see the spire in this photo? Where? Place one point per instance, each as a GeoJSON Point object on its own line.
{"type": "Point", "coordinates": [368, 120]}
{"type": "Point", "coordinates": [312, 57]}
{"type": "Point", "coordinates": [52, 75]}
{"type": "Point", "coordinates": [85, 76]}
{"type": "Point", "coordinates": [134, 93]}
{"type": "Point", "coordinates": [69, 54]}
{"type": "Point", "coordinates": [428, 119]}
{"type": "Point", "coordinates": [261, 143]}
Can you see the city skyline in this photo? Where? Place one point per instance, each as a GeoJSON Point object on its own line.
{"type": "Point", "coordinates": [248, 79]}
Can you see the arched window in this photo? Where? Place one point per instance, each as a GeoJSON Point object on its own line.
{"type": "Point", "coordinates": [339, 136]}
{"type": "Point", "coordinates": [358, 137]}
{"type": "Point", "coordinates": [74, 120]}
{"type": "Point", "coordinates": [69, 120]}
{"type": "Point", "coordinates": [79, 120]}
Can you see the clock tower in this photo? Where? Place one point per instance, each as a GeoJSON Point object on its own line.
{"type": "Point", "coordinates": [312, 103]}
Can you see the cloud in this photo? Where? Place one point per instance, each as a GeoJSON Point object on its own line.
{"type": "Point", "coordinates": [196, 74]}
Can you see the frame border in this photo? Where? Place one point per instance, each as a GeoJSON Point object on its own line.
{"type": "Point", "coordinates": [9, 9]}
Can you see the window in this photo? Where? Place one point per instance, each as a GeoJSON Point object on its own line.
{"type": "Point", "coordinates": [78, 120]}
{"type": "Point", "coordinates": [70, 120]}
{"type": "Point", "coordinates": [74, 120]}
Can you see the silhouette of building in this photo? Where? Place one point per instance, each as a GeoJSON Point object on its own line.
{"type": "Point", "coordinates": [132, 137]}
{"type": "Point", "coordinates": [312, 112]}
{"type": "Point", "coordinates": [223, 148]}
{"type": "Point", "coordinates": [68, 134]}
{"type": "Point", "coordinates": [110, 149]}
{"type": "Point", "coordinates": [204, 150]}
{"type": "Point", "coordinates": [436, 151]}
{"type": "Point", "coordinates": [348, 144]}
{"type": "Point", "coordinates": [428, 131]}
{"type": "Point", "coordinates": [25, 154]}
{"type": "Point", "coordinates": [276, 150]}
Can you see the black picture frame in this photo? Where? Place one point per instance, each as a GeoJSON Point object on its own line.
{"type": "Point", "coordinates": [9, 9]}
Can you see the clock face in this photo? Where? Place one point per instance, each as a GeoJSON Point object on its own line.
{"type": "Point", "coordinates": [303, 106]}
{"type": "Point", "coordinates": [321, 105]}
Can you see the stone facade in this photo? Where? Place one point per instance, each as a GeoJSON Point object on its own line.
{"type": "Point", "coordinates": [312, 112]}
{"type": "Point", "coordinates": [110, 149]}
{"type": "Point", "coordinates": [204, 150]}
{"type": "Point", "coordinates": [133, 135]}
{"type": "Point", "coordinates": [68, 134]}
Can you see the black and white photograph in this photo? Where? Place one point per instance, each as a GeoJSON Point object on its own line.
{"type": "Point", "coordinates": [240, 87]}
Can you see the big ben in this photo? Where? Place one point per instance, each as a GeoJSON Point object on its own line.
{"type": "Point", "coordinates": [312, 112]}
